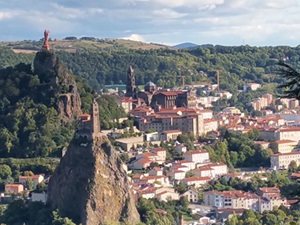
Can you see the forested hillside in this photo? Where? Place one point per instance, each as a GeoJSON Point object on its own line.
{"type": "Point", "coordinates": [165, 66]}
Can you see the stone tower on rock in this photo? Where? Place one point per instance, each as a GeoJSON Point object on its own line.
{"type": "Point", "coordinates": [95, 119]}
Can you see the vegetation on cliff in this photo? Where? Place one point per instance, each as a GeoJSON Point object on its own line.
{"type": "Point", "coordinates": [33, 103]}
{"type": "Point", "coordinates": [30, 125]}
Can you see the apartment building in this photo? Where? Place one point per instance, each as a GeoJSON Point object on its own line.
{"type": "Point", "coordinates": [195, 181]}
{"type": "Point", "coordinates": [211, 170]}
{"type": "Point", "coordinates": [285, 146]}
{"type": "Point", "coordinates": [269, 198]}
{"type": "Point", "coordinates": [264, 199]}
{"type": "Point", "coordinates": [231, 199]}
{"type": "Point", "coordinates": [283, 160]}
{"type": "Point", "coordinates": [197, 156]}
{"type": "Point", "coordinates": [287, 133]}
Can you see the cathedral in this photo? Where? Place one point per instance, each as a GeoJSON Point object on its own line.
{"type": "Point", "coordinates": [152, 96]}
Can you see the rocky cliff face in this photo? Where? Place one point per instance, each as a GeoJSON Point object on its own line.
{"type": "Point", "coordinates": [91, 187]}
{"type": "Point", "coordinates": [50, 70]}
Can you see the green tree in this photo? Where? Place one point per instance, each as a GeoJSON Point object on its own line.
{"type": "Point", "coordinates": [29, 184]}
{"type": "Point", "coordinates": [5, 171]}
{"type": "Point", "coordinates": [292, 166]}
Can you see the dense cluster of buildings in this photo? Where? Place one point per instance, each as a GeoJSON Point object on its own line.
{"type": "Point", "coordinates": [161, 179]}
{"type": "Point", "coordinates": [162, 115]}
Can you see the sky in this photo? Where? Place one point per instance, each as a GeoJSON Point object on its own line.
{"type": "Point", "coordinates": [170, 22]}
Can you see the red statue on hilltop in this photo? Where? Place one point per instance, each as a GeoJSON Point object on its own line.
{"type": "Point", "coordinates": [46, 44]}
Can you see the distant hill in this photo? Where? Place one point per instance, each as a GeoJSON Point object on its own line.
{"type": "Point", "coordinates": [72, 45]}
{"type": "Point", "coordinates": [185, 45]}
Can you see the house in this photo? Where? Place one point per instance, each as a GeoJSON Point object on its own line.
{"type": "Point", "coordinates": [166, 194]}
{"type": "Point", "coordinates": [219, 168]}
{"type": "Point", "coordinates": [191, 195]}
{"type": "Point", "coordinates": [168, 135]}
{"type": "Point", "coordinates": [204, 171]}
{"type": "Point", "coordinates": [197, 156]}
{"type": "Point", "coordinates": [196, 181]}
{"type": "Point", "coordinates": [176, 175]}
{"type": "Point", "coordinates": [225, 213]}
{"type": "Point", "coordinates": [141, 163]}
{"type": "Point", "coordinates": [156, 171]}
{"type": "Point", "coordinates": [211, 170]}
{"type": "Point", "coordinates": [210, 125]}
{"type": "Point", "coordinates": [231, 110]}
{"type": "Point", "coordinates": [150, 155]}
{"type": "Point", "coordinates": [223, 94]}
{"type": "Point", "coordinates": [179, 167]}
{"type": "Point", "coordinates": [161, 153]}
{"type": "Point", "coordinates": [204, 220]}
{"type": "Point", "coordinates": [253, 86]}
{"type": "Point", "coordinates": [147, 192]}
{"type": "Point", "coordinates": [36, 179]}
{"type": "Point", "coordinates": [154, 136]}
{"type": "Point", "coordinates": [128, 143]}
{"type": "Point", "coordinates": [14, 188]}
{"type": "Point", "coordinates": [155, 180]}
{"type": "Point", "coordinates": [137, 177]}
{"type": "Point", "coordinates": [188, 163]}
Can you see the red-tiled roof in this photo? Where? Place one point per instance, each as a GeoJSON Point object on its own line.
{"type": "Point", "coordinates": [288, 153]}
{"type": "Point", "coordinates": [289, 129]}
{"type": "Point", "coordinates": [196, 178]}
{"type": "Point", "coordinates": [13, 185]}
{"type": "Point", "coordinates": [192, 152]}
{"type": "Point", "coordinates": [284, 141]}
{"type": "Point", "coordinates": [144, 160]}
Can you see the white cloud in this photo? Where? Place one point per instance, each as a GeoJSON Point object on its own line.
{"type": "Point", "coordinates": [6, 15]}
{"type": "Point", "coordinates": [167, 13]}
{"type": "Point", "coordinates": [134, 37]}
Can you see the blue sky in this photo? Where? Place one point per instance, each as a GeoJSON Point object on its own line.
{"type": "Point", "coordinates": [224, 22]}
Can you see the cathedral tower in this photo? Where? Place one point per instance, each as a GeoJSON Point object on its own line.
{"type": "Point", "coordinates": [130, 84]}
